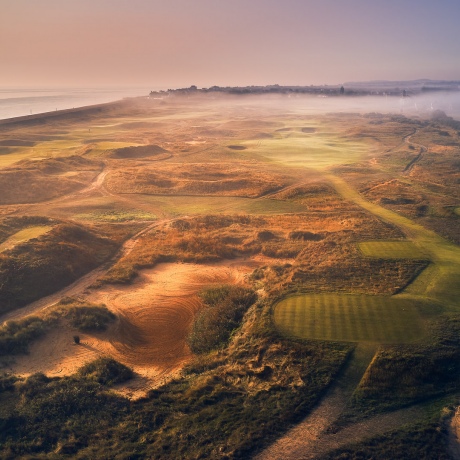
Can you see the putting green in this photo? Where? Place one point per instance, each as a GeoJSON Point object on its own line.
{"type": "Point", "coordinates": [349, 318]}
{"type": "Point", "coordinates": [391, 250]}
{"type": "Point", "coordinates": [317, 151]}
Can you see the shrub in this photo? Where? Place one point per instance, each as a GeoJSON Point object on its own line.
{"type": "Point", "coordinates": [15, 336]}
{"type": "Point", "coordinates": [89, 318]}
{"type": "Point", "coordinates": [106, 371]}
{"type": "Point", "coordinates": [222, 314]}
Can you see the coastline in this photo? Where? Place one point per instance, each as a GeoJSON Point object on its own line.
{"type": "Point", "coordinates": [65, 112]}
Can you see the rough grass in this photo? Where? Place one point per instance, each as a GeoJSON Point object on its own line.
{"type": "Point", "coordinates": [15, 336]}
{"type": "Point", "coordinates": [84, 316]}
{"type": "Point", "coordinates": [349, 318]}
{"type": "Point", "coordinates": [116, 216]}
{"type": "Point", "coordinates": [424, 440]}
{"type": "Point", "coordinates": [391, 250]}
{"type": "Point", "coordinates": [222, 313]}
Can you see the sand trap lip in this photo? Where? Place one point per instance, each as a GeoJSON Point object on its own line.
{"type": "Point", "coordinates": [154, 316]}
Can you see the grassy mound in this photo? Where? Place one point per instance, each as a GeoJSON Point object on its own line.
{"type": "Point", "coordinates": [41, 266]}
{"type": "Point", "coordinates": [106, 371]}
{"type": "Point", "coordinates": [35, 181]}
{"type": "Point", "coordinates": [404, 374]}
{"type": "Point", "coordinates": [16, 336]}
{"type": "Point", "coordinates": [84, 316]}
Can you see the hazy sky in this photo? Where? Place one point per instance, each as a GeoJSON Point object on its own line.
{"type": "Point", "coordinates": [175, 43]}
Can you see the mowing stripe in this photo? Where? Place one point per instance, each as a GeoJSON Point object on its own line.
{"type": "Point", "coordinates": [349, 318]}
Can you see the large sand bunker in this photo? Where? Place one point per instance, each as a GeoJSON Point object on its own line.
{"type": "Point", "coordinates": [154, 316]}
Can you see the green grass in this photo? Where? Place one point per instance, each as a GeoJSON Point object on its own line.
{"type": "Point", "coordinates": [391, 250]}
{"type": "Point", "coordinates": [24, 235]}
{"type": "Point", "coordinates": [116, 216]}
{"type": "Point", "coordinates": [349, 318]}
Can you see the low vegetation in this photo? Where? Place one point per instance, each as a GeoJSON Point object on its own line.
{"type": "Point", "coordinates": [222, 313]}
{"type": "Point", "coordinates": [17, 336]}
{"type": "Point", "coordinates": [84, 316]}
{"type": "Point", "coordinates": [426, 439]}
{"type": "Point", "coordinates": [32, 181]}
{"type": "Point", "coordinates": [335, 217]}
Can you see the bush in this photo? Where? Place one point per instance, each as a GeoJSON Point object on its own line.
{"type": "Point", "coordinates": [106, 371]}
{"type": "Point", "coordinates": [15, 336]}
{"type": "Point", "coordinates": [89, 319]}
{"type": "Point", "coordinates": [222, 314]}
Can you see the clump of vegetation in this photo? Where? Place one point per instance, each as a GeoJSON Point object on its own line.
{"type": "Point", "coordinates": [305, 236]}
{"type": "Point", "coordinates": [106, 371]}
{"type": "Point", "coordinates": [7, 382]}
{"type": "Point", "coordinates": [15, 336]}
{"type": "Point", "coordinates": [222, 314]}
{"type": "Point", "coordinates": [86, 317]}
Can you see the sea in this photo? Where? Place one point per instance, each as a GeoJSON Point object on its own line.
{"type": "Point", "coordinates": [17, 102]}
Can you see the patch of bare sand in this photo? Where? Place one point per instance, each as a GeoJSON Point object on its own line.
{"type": "Point", "coordinates": [154, 316]}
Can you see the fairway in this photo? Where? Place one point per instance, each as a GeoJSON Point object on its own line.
{"type": "Point", "coordinates": [349, 318]}
{"type": "Point", "coordinates": [391, 250]}
{"type": "Point", "coordinates": [177, 205]}
{"type": "Point", "coordinates": [24, 235]}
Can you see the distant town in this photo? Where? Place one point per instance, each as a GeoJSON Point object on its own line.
{"type": "Point", "coordinates": [377, 88]}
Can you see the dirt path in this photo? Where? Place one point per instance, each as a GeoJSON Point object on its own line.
{"type": "Point", "coordinates": [306, 435]}
{"type": "Point", "coordinates": [418, 157]}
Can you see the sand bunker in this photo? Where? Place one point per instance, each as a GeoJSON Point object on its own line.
{"type": "Point", "coordinates": [154, 316]}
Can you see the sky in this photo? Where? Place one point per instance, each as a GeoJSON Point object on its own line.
{"type": "Point", "coordinates": [177, 43]}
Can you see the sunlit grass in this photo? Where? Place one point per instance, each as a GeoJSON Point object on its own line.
{"type": "Point", "coordinates": [318, 150]}
{"type": "Point", "coordinates": [391, 250]}
{"type": "Point", "coordinates": [116, 216]}
{"type": "Point", "coordinates": [24, 235]}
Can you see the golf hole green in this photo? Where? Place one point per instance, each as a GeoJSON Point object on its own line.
{"type": "Point", "coordinates": [349, 318]}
